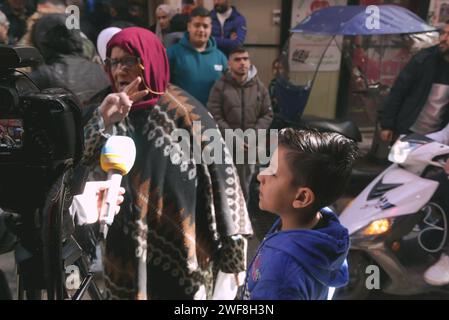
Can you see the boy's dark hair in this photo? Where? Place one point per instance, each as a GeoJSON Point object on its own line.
{"type": "Point", "coordinates": [321, 161]}
{"type": "Point", "coordinates": [199, 12]}
{"type": "Point", "coordinates": [239, 49]}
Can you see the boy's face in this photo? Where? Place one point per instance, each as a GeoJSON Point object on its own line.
{"type": "Point", "coordinates": [199, 29]}
{"type": "Point", "coordinates": [277, 188]}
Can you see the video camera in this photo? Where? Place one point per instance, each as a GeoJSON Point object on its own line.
{"type": "Point", "coordinates": [40, 133]}
{"type": "Point", "coordinates": [41, 143]}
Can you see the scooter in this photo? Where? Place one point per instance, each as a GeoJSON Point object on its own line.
{"type": "Point", "coordinates": [398, 224]}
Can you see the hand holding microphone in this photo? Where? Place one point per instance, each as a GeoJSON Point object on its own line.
{"type": "Point", "coordinates": [87, 206]}
{"type": "Point", "coordinates": [117, 158]}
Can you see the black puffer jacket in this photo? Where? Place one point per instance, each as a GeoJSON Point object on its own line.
{"type": "Point", "coordinates": [410, 92]}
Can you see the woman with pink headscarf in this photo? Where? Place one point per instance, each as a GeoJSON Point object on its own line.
{"type": "Point", "coordinates": [182, 220]}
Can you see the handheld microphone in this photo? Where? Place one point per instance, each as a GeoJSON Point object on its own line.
{"type": "Point", "coordinates": [117, 159]}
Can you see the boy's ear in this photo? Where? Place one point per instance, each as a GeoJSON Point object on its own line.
{"type": "Point", "coordinates": [304, 198]}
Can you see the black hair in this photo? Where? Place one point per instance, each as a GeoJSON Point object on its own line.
{"type": "Point", "coordinates": [321, 161]}
{"type": "Point", "coordinates": [53, 39]}
{"type": "Point", "coordinates": [239, 49]}
{"type": "Point", "coordinates": [199, 12]}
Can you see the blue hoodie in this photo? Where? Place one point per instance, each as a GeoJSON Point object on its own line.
{"type": "Point", "coordinates": [300, 264]}
{"type": "Point", "coordinates": [193, 71]}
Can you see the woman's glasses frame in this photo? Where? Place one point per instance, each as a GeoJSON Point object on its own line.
{"type": "Point", "coordinates": [127, 62]}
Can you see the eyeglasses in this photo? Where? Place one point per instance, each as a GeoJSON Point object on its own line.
{"type": "Point", "coordinates": [126, 62]}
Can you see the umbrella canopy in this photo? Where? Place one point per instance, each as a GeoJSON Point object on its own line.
{"type": "Point", "coordinates": [352, 20]}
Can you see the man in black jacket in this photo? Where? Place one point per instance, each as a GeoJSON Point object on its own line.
{"type": "Point", "coordinates": [420, 95]}
{"type": "Point", "coordinates": [65, 65]}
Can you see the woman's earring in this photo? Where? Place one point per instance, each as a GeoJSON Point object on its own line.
{"type": "Point", "coordinates": [141, 66]}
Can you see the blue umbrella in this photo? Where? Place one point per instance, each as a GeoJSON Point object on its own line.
{"type": "Point", "coordinates": [352, 20]}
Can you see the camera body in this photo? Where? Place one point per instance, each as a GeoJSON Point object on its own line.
{"type": "Point", "coordinates": [41, 145]}
{"type": "Point", "coordinates": [41, 133]}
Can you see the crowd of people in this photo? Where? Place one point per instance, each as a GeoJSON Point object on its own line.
{"type": "Point", "coordinates": [183, 223]}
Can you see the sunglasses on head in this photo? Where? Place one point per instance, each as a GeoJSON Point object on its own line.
{"type": "Point", "coordinates": [126, 62]}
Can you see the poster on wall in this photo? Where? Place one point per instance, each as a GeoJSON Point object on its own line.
{"type": "Point", "coordinates": [305, 51]}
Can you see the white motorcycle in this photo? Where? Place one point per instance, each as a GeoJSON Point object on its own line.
{"type": "Point", "coordinates": [398, 223]}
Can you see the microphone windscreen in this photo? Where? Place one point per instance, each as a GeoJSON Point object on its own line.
{"type": "Point", "coordinates": [118, 153]}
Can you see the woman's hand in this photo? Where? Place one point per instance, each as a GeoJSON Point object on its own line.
{"type": "Point", "coordinates": [116, 106]}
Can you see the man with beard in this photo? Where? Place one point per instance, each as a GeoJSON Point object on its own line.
{"type": "Point", "coordinates": [420, 96]}
{"type": "Point", "coordinates": [228, 26]}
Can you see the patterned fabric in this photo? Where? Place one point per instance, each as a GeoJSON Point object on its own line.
{"type": "Point", "coordinates": [180, 218]}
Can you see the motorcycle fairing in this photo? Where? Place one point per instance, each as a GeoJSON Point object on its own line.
{"type": "Point", "coordinates": [411, 195]}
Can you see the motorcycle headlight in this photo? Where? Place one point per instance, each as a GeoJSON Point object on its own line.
{"type": "Point", "coordinates": [402, 148]}
{"type": "Point", "coordinates": [400, 151]}
{"type": "Point", "coordinates": [377, 227]}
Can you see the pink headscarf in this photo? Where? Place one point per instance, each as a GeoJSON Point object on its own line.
{"type": "Point", "coordinates": [144, 44]}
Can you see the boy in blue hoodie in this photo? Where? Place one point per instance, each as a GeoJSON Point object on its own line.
{"type": "Point", "coordinates": [304, 254]}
